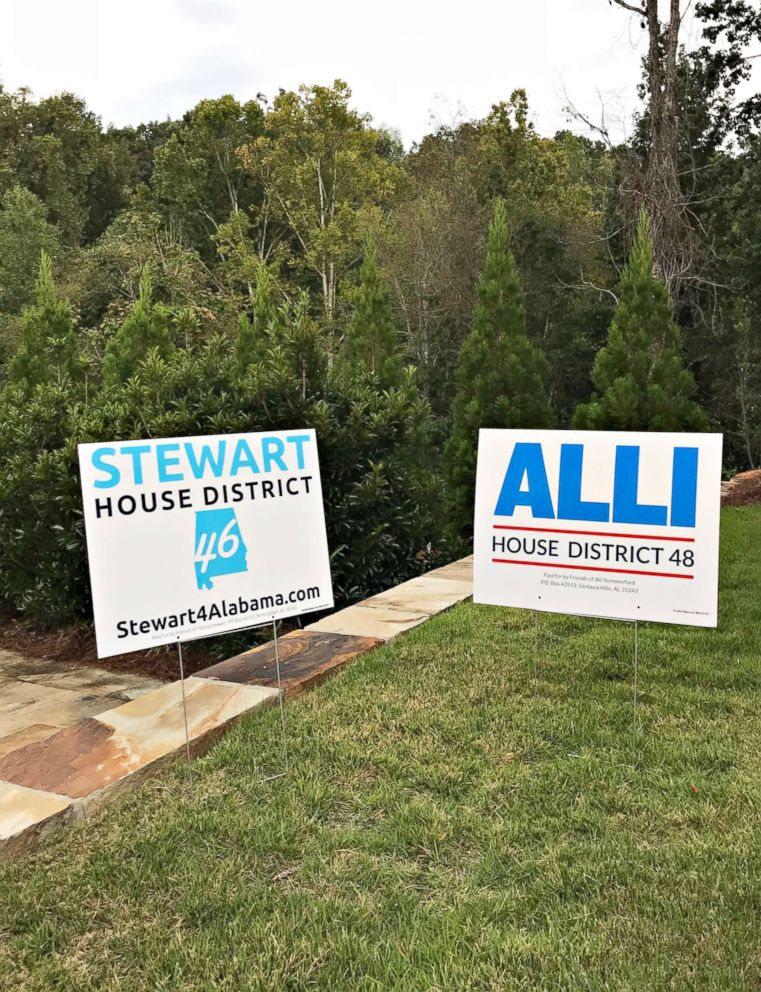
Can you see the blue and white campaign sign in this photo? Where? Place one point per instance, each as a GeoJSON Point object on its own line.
{"type": "Point", "coordinates": [597, 523]}
{"type": "Point", "coordinates": [193, 536]}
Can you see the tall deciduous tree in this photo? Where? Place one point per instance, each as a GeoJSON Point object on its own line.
{"type": "Point", "coordinates": [321, 167]}
{"type": "Point", "coordinates": [24, 234]}
{"type": "Point", "coordinates": [660, 190]}
{"type": "Point", "coordinates": [731, 31]}
{"type": "Point", "coordinates": [640, 374]}
{"type": "Point", "coordinates": [55, 148]}
{"type": "Point", "coordinates": [664, 177]}
{"type": "Point", "coordinates": [432, 251]}
{"type": "Point", "coordinates": [501, 376]}
{"type": "Point", "coordinates": [199, 181]}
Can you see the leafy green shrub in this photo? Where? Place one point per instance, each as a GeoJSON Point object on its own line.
{"type": "Point", "coordinates": [380, 495]}
{"type": "Point", "coordinates": [44, 564]}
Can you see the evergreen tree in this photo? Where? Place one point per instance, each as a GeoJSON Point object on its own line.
{"type": "Point", "coordinates": [304, 348]}
{"type": "Point", "coordinates": [372, 344]}
{"type": "Point", "coordinates": [245, 342]}
{"type": "Point", "coordinates": [501, 377]}
{"type": "Point", "coordinates": [265, 317]}
{"type": "Point", "coordinates": [640, 374]}
{"type": "Point", "coordinates": [292, 362]}
{"type": "Point", "coordinates": [187, 327]}
{"type": "Point", "coordinates": [144, 329]}
{"type": "Point", "coordinates": [48, 349]}
{"type": "Point", "coordinates": [263, 303]}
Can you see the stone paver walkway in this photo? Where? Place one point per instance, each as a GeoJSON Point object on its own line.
{"type": "Point", "coordinates": [58, 769]}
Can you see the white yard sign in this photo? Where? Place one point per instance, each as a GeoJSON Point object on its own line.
{"type": "Point", "coordinates": [609, 524]}
{"type": "Point", "coordinates": [190, 537]}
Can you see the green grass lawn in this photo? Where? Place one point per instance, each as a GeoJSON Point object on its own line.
{"type": "Point", "coordinates": [456, 817]}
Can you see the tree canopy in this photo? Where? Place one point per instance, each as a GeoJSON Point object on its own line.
{"type": "Point", "coordinates": [259, 264]}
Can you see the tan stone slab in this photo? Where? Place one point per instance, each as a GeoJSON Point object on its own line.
{"type": "Point", "coordinates": [100, 752]}
{"type": "Point", "coordinates": [461, 570]}
{"type": "Point", "coordinates": [36, 732]}
{"type": "Point", "coordinates": [426, 594]}
{"type": "Point", "coordinates": [94, 681]}
{"type": "Point", "coordinates": [14, 666]}
{"type": "Point", "coordinates": [23, 704]}
{"type": "Point", "coordinates": [136, 691]}
{"type": "Point", "coordinates": [22, 809]}
{"type": "Point", "coordinates": [370, 621]}
{"type": "Point", "coordinates": [16, 695]}
{"type": "Point", "coordinates": [153, 725]}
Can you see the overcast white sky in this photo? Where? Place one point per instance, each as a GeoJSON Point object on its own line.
{"type": "Point", "coordinates": [139, 60]}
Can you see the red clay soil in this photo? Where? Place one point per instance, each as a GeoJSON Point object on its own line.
{"type": "Point", "coordinates": [744, 489]}
{"type": "Point", "coordinates": [75, 645]}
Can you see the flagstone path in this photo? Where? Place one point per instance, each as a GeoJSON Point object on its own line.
{"type": "Point", "coordinates": [74, 735]}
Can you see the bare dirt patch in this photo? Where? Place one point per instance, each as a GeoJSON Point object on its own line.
{"type": "Point", "coordinates": [743, 489]}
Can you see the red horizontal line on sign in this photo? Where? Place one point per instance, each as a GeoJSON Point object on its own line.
{"type": "Point", "coordinates": [590, 568]}
{"type": "Point", "coordinates": [595, 533]}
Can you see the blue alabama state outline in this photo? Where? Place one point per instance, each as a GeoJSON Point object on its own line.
{"type": "Point", "coordinates": [209, 542]}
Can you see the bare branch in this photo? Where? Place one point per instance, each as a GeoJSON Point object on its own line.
{"type": "Point", "coordinates": [586, 284]}
{"type": "Point", "coordinates": [600, 129]}
{"type": "Point", "coordinates": [640, 11]}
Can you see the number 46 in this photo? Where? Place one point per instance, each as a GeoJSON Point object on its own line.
{"type": "Point", "coordinates": [227, 545]}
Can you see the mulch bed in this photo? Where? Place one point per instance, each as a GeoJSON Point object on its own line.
{"type": "Point", "coordinates": [75, 645]}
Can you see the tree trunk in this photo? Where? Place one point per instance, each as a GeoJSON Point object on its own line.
{"type": "Point", "coordinates": [658, 187]}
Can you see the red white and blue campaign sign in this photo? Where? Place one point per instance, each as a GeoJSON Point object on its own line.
{"type": "Point", "coordinates": [190, 537]}
{"type": "Point", "coordinates": [597, 523]}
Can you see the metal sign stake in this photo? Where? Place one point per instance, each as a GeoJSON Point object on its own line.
{"type": "Point", "coordinates": [281, 703]}
{"type": "Point", "coordinates": [184, 707]}
{"type": "Point", "coordinates": [281, 697]}
{"type": "Point", "coordinates": [635, 696]}
{"type": "Point", "coordinates": [636, 662]}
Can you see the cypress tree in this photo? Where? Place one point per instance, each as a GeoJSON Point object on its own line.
{"type": "Point", "coordinates": [372, 346]}
{"type": "Point", "coordinates": [263, 304]}
{"type": "Point", "coordinates": [501, 378]}
{"type": "Point", "coordinates": [47, 352]}
{"type": "Point", "coordinates": [253, 330]}
{"type": "Point", "coordinates": [145, 328]}
{"type": "Point", "coordinates": [639, 374]}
